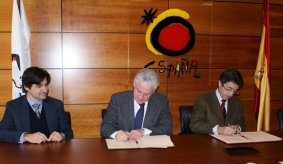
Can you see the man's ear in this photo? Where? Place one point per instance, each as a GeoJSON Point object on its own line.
{"type": "Point", "coordinates": [26, 88]}
{"type": "Point", "coordinates": [219, 83]}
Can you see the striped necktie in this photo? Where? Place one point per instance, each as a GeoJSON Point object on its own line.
{"type": "Point", "coordinates": [36, 108]}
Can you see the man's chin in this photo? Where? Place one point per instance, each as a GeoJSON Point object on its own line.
{"type": "Point", "coordinates": [43, 97]}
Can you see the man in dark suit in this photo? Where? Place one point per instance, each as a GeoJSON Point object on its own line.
{"type": "Point", "coordinates": [35, 117]}
{"type": "Point", "coordinates": [133, 114]}
{"type": "Point", "coordinates": [219, 111]}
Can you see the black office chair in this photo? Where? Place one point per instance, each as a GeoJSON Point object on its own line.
{"type": "Point", "coordinates": [185, 119]}
{"type": "Point", "coordinates": [280, 118]}
{"type": "Point", "coordinates": [103, 112]}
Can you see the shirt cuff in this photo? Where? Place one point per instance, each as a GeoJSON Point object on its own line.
{"type": "Point", "coordinates": [113, 136]}
{"type": "Point", "coordinates": [22, 140]}
{"type": "Point", "coordinates": [214, 129]}
{"type": "Point", "coordinates": [146, 132]}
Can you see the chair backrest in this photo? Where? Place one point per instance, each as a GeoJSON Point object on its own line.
{"type": "Point", "coordinates": [280, 118]}
{"type": "Point", "coordinates": [103, 112]}
{"type": "Point", "coordinates": [185, 119]}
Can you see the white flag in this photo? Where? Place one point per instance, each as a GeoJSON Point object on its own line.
{"type": "Point", "coordinates": [20, 47]}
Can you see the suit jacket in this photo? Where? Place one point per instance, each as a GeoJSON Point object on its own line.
{"type": "Point", "coordinates": [120, 115]}
{"type": "Point", "coordinates": [16, 119]}
{"type": "Point", "coordinates": [207, 113]}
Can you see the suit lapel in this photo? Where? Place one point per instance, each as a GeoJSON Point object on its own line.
{"type": "Point", "coordinates": [48, 113]}
{"type": "Point", "coordinates": [24, 113]}
{"type": "Point", "coordinates": [149, 111]}
{"type": "Point", "coordinates": [128, 110]}
{"type": "Point", "coordinates": [216, 106]}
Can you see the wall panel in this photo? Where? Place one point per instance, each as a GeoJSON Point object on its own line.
{"type": "Point", "coordinates": [45, 49]}
{"type": "Point", "coordinates": [5, 86]}
{"type": "Point", "coordinates": [5, 51]}
{"type": "Point", "coordinates": [56, 85]}
{"type": "Point", "coordinates": [85, 120]}
{"type": "Point", "coordinates": [276, 20]}
{"type": "Point", "coordinates": [236, 19]}
{"type": "Point", "coordinates": [44, 16]}
{"type": "Point", "coordinates": [83, 50]}
{"type": "Point", "coordinates": [276, 50]}
{"type": "Point", "coordinates": [6, 15]}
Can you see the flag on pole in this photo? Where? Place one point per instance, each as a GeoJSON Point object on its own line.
{"type": "Point", "coordinates": [262, 77]}
{"type": "Point", "coordinates": [20, 47]}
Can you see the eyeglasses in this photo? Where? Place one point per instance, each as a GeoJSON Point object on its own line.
{"type": "Point", "coordinates": [234, 91]}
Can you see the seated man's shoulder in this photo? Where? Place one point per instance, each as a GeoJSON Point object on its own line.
{"type": "Point", "coordinates": [16, 101]}
{"type": "Point", "coordinates": [53, 100]}
{"type": "Point", "coordinates": [206, 95]}
{"type": "Point", "coordinates": [123, 94]}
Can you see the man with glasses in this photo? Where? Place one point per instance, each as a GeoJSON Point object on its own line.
{"type": "Point", "coordinates": [133, 114]}
{"type": "Point", "coordinates": [220, 111]}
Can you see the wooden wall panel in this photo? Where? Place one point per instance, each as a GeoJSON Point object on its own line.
{"type": "Point", "coordinates": [45, 49]}
{"type": "Point", "coordinates": [275, 2]}
{"type": "Point", "coordinates": [276, 20]}
{"type": "Point", "coordinates": [276, 85]}
{"type": "Point", "coordinates": [6, 15]}
{"type": "Point", "coordinates": [88, 86]}
{"type": "Point", "coordinates": [5, 86]}
{"type": "Point", "coordinates": [236, 52]}
{"type": "Point", "coordinates": [276, 50]}
{"type": "Point", "coordinates": [56, 85]}
{"type": "Point", "coordinates": [44, 16]}
{"type": "Point", "coordinates": [85, 120]}
{"type": "Point", "coordinates": [236, 19]}
{"type": "Point", "coordinates": [249, 115]}
{"type": "Point", "coordinates": [5, 51]}
{"type": "Point", "coordinates": [174, 108]}
{"type": "Point", "coordinates": [95, 50]}
{"type": "Point", "coordinates": [247, 1]}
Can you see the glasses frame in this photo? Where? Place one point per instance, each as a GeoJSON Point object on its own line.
{"type": "Point", "coordinates": [230, 90]}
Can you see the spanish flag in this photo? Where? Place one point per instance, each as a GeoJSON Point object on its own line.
{"type": "Point", "coordinates": [262, 77]}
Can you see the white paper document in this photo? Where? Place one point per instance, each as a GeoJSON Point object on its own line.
{"type": "Point", "coordinates": [247, 137]}
{"type": "Point", "coordinates": [158, 141]}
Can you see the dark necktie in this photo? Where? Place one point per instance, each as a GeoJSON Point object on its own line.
{"type": "Point", "coordinates": [36, 108]}
{"type": "Point", "coordinates": [139, 117]}
{"type": "Point", "coordinates": [222, 106]}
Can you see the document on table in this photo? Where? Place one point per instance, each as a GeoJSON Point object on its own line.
{"type": "Point", "coordinates": [247, 137]}
{"type": "Point", "coordinates": [158, 141]}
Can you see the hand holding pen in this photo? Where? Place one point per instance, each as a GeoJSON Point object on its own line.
{"type": "Point", "coordinates": [228, 130]}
